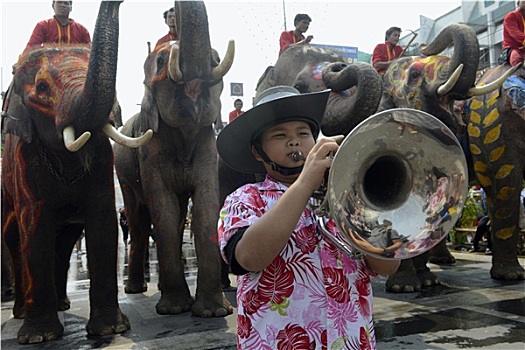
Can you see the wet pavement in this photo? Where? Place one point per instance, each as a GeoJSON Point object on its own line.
{"type": "Point", "coordinates": [468, 311]}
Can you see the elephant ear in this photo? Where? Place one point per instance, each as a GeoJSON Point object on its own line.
{"type": "Point", "coordinates": [266, 80]}
{"type": "Point", "coordinates": [16, 120]}
{"type": "Point", "coordinates": [149, 113]}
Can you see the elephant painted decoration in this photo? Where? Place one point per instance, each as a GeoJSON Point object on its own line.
{"type": "Point", "coordinates": [57, 179]}
{"type": "Point", "coordinates": [496, 134]}
{"type": "Point", "coordinates": [435, 84]}
{"type": "Point", "coordinates": [355, 95]}
{"type": "Point", "coordinates": [183, 83]}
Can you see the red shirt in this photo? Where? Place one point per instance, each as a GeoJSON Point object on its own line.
{"type": "Point", "coordinates": [51, 31]}
{"type": "Point", "coordinates": [166, 38]}
{"type": "Point", "coordinates": [234, 114]}
{"type": "Point", "coordinates": [286, 39]}
{"type": "Point", "coordinates": [385, 53]}
{"type": "Point", "coordinates": [514, 30]}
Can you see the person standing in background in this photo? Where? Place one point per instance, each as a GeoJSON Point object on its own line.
{"type": "Point", "coordinates": [237, 111]}
{"type": "Point", "coordinates": [388, 51]}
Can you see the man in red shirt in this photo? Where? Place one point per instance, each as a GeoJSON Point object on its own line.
{"type": "Point", "coordinates": [169, 19]}
{"type": "Point", "coordinates": [514, 33]}
{"type": "Point", "coordinates": [296, 37]}
{"type": "Point", "coordinates": [237, 111]}
{"type": "Point", "coordinates": [59, 29]}
{"type": "Point", "coordinates": [384, 53]}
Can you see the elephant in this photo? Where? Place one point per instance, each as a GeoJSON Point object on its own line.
{"type": "Point", "coordinates": [183, 83]}
{"type": "Point", "coordinates": [435, 84]}
{"type": "Point", "coordinates": [57, 179]}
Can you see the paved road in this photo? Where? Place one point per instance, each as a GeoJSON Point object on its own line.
{"type": "Point", "coordinates": [468, 311]}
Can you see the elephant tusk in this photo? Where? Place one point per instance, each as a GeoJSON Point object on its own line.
{"type": "Point", "coordinates": [496, 84]}
{"type": "Point", "coordinates": [124, 140]}
{"type": "Point", "coordinates": [72, 144]}
{"type": "Point", "coordinates": [173, 64]}
{"type": "Point", "coordinates": [449, 84]}
{"type": "Point", "coordinates": [225, 65]}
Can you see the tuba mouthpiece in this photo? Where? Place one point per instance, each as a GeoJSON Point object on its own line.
{"type": "Point", "coordinates": [297, 156]}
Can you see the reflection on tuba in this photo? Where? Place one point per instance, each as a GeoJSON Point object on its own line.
{"type": "Point", "coordinates": [396, 186]}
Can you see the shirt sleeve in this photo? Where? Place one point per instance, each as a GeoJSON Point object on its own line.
{"type": "Point", "coordinates": [284, 41]}
{"type": "Point", "coordinates": [512, 24]}
{"type": "Point", "coordinates": [38, 36]}
{"type": "Point", "coordinates": [378, 55]}
{"type": "Point", "coordinates": [229, 250]}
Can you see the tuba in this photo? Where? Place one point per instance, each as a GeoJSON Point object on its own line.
{"type": "Point", "coordinates": [397, 185]}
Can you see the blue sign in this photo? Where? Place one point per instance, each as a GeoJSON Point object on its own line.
{"type": "Point", "coordinates": [236, 89]}
{"type": "Point", "coordinates": [345, 51]}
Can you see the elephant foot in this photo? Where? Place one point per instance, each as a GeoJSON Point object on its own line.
{"type": "Point", "coordinates": [511, 271]}
{"type": "Point", "coordinates": [135, 287]}
{"type": "Point", "coordinates": [106, 323]}
{"type": "Point", "coordinates": [63, 304]}
{"type": "Point", "coordinates": [211, 305]}
{"type": "Point", "coordinates": [174, 304]}
{"type": "Point", "coordinates": [39, 331]}
{"type": "Point", "coordinates": [403, 282]}
{"type": "Point", "coordinates": [428, 278]}
{"type": "Point", "coordinates": [442, 260]}
{"type": "Point", "coordinates": [19, 311]}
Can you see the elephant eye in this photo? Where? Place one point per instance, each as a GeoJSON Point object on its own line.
{"type": "Point", "coordinates": [42, 87]}
{"type": "Point", "coordinates": [301, 87]}
{"type": "Point", "coordinates": [414, 74]}
{"type": "Point", "coordinates": [160, 62]}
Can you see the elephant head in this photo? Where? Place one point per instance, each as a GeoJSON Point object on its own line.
{"type": "Point", "coordinates": [68, 89]}
{"type": "Point", "coordinates": [183, 79]}
{"type": "Point", "coordinates": [356, 88]}
{"type": "Point", "coordinates": [432, 83]}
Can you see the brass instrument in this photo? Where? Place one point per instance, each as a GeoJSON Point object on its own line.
{"type": "Point", "coordinates": [396, 187]}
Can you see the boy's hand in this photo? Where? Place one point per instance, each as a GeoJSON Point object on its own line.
{"type": "Point", "coordinates": [318, 161]}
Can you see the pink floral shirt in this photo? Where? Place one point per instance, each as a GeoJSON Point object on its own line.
{"type": "Point", "coordinates": [311, 296]}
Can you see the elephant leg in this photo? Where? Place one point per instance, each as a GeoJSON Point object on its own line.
{"type": "Point", "coordinates": [7, 274]}
{"type": "Point", "coordinates": [101, 235]}
{"type": "Point", "coordinates": [175, 294]}
{"type": "Point", "coordinates": [405, 280]}
{"type": "Point", "coordinates": [425, 276]}
{"type": "Point", "coordinates": [41, 321]}
{"type": "Point", "coordinates": [440, 255]}
{"type": "Point", "coordinates": [139, 223]}
{"type": "Point", "coordinates": [505, 234]}
{"type": "Point", "coordinates": [210, 300]}
{"type": "Point", "coordinates": [64, 244]}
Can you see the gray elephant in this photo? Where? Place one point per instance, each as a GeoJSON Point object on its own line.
{"type": "Point", "coordinates": [183, 83]}
{"type": "Point", "coordinates": [57, 179]}
{"type": "Point", "coordinates": [434, 84]}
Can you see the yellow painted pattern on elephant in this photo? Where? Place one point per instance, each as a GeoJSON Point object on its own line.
{"type": "Point", "coordinates": [474, 149]}
{"type": "Point", "coordinates": [504, 213]}
{"type": "Point", "coordinates": [475, 117]}
{"type": "Point", "coordinates": [473, 131]}
{"type": "Point", "coordinates": [493, 99]}
{"type": "Point", "coordinates": [480, 167]}
{"type": "Point", "coordinates": [484, 180]}
{"type": "Point", "coordinates": [504, 171]}
{"type": "Point", "coordinates": [505, 193]}
{"type": "Point", "coordinates": [476, 104]}
{"type": "Point", "coordinates": [505, 233]}
{"type": "Point", "coordinates": [496, 153]}
{"type": "Point", "coordinates": [491, 118]}
{"type": "Point", "coordinates": [492, 135]}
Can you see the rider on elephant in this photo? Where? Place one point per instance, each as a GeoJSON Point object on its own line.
{"type": "Point", "coordinates": [296, 37]}
{"type": "Point", "coordinates": [388, 51]}
{"type": "Point", "coordinates": [514, 34]}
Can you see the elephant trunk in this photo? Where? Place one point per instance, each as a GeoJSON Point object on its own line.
{"type": "Point", "coordinates": [99, 88]}
{"type": "Point", "coordinates": [195, 54]}
{"type": "Point", "coordinates": [466, 52]}
{"type": "Point", "coordinates": [356, 95]}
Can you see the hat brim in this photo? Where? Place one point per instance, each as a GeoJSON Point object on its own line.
{"type": "Point", "coordinates": [234, 141]}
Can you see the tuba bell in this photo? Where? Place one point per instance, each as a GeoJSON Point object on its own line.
{"type": "Point", "coordinates": [396, 187]}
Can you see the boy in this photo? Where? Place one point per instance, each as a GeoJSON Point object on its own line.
{"type": "Point", "coordinates": [295, 289]}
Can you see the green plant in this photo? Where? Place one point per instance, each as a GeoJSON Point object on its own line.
{"type": "Point", "coordinates": [470, 213]}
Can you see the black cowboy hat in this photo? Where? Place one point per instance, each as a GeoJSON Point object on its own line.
{"type": "Point", "coordinates": [273, 106]}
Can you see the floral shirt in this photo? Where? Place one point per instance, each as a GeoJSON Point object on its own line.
{"type": "Point", "coordinates": [311, 296]}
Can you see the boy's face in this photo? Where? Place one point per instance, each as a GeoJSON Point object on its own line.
{"type": "Point", "coordinates": [62, 8]}
{"type": "Point", "coordinates": [302, 25]}
{"type": "Point", "coordinates": [279, 141]}
{"type": "Point", "coordinates": [170, 19]}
